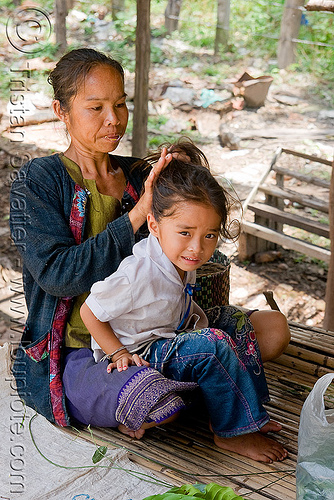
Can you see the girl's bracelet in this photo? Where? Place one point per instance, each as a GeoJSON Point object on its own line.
{"type": "Point", "coordinates": [110, 356]}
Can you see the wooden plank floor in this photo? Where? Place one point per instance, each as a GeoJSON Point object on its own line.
{"type": "Point", "coordinates": [184, 452]}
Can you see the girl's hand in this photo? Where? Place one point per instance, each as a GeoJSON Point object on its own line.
{"type": "Point", "coordinates": [126, 359]}
{"type": "Point", "coordinates": [139, 213]}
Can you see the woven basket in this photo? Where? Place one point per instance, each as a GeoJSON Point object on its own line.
{"type": "Point", "coordinates": [213, 279]}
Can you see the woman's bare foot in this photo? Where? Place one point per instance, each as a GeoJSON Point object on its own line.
{"type": "Point", "coordinates": [253, 445]}
{"type": "Point", "coordinates": [134, 434]}
{"type": "Point", "coordinates": [271, 426]}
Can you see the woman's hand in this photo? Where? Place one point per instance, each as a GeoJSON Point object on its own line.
{"type": "Point", "coordinates": [125, 360]}
{"type": "Point", "coordinates": [139, 213]}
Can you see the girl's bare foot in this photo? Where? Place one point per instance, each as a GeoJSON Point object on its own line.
{"type": "Point", "coordinates": [140, 432]}
{"type": "Point", "coordinates": [134, 434]}
{"type": "Point", "coordinates": [253, 445]}
{"type": "Point", "coordinates": [271, 426]}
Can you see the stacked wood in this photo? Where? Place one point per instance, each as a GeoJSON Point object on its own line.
{"type": "Point", "coordinates": [320, 5]}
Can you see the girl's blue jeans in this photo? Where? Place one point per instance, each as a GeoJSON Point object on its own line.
{"type": "Point", "coordinates": [225, 362]}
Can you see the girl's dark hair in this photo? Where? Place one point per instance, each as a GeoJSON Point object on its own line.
{"type": "Point", "coordinates": [188, 178]}
{"type": "Point", "coordinates": [71, 70]}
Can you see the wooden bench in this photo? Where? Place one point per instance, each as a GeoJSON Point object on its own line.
{"type": "Point", "coordinates": [183, 452]}
{"type": "Point", "coordinates": [274, 221]}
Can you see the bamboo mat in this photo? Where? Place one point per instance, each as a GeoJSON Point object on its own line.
{"type": "Point", "coordinates": [184, 452]}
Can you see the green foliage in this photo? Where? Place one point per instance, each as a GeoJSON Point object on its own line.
{"type": "Point", "coordinates": [4, 82]}
{"type": "Point", "coordinates": [129, 128]}
{"type": "Point", "coordinates": [304, 258]}
{"type": "Point", "coordinates": [6, 3]}
{"type": "Point", "coordinates": [157, 54]}
{"type": "Point", "coordinates": [210, 491]}
{"type": "Point", "coordinates": [88, 30]}
{"type": "Point", "coordinates": [249, 20]}
{"type": "Point", "coordinates": [155, 140]}
{"type": "Point", "coordinates": [212, 70]}
{"type": "Point", "coordinates": [312, 238]}
{"type": "Point", "coordinates": [50, 52]}
{"type": "Point", "coordinates": [320, 27]}
{"type": "Point", "coordinates": [324, 220]}
{"type": "Point", "coordinates": [157, 121]}
{"type": "Point", "coordinates": [126, 26]}
{"type": "Point", "coordinates": [99, 454]}
{"type": "Point", "coordinates": [197, 22]}
{"type": "Point", "coordinates": [254, 33]}
{"type": "Point", "coordinates": [123, 52]}
{"type": "Point", "coordinates": [158, 32]}
{"type": "Point", "coordinates": [316, 60]}
{"type": "Point", "coordinates": [319, 216]}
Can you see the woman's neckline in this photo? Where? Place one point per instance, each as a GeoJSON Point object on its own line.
{"type": "Point", "coordinates": [77, 175]}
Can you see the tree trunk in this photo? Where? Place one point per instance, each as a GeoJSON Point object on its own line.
{"type": "Point", "coordinates": [116, 7]}
{"type": "Point", "coordinates": [290, 25]}
{"type": "Point", "coordinates": [223, 25]}
{"type": "Point", "coordinates": [60, 24]}
{"type": "Point", "coordinates": [172, 15]}
{"type": "Point", "coordinates": [69, 5]}
{"type": "Point", "coordinates": [143, 52]}
{"type": "Point", "coordinates": [329, 298]}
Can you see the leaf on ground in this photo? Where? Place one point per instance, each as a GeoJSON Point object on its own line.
{"type": "Point", "coordinates": [99, 454]}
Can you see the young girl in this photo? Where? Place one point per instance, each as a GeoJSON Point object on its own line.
{"type": "Point", "coordinates": [143, 314]}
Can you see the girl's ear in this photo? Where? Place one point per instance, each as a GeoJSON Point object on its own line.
{"type": "Point", "coordinates": [152, 225]}
{"type": "Point", "coordinates": [58, 110]}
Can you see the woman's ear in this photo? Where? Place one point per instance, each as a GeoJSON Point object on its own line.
{"type": "Point", "coordinates": [58, 111]}
{"type": "Point", "coordinates": [152, 225]}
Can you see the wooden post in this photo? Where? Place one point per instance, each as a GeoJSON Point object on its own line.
{"type": "Point", "coordinates": [60, 24]}
{"type": "Point", "coordinates": [172, 14]}
{"type": "Point", "coordinates": [143, 53]}
{"type": "Point", "coordinates": [223, 25]}
{"type": "Point", "coordinates": [329, 297]}
{"type": "Point", "coordinates": [290, 25]}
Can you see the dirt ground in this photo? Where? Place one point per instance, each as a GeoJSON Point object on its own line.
{"type": "Point", "coordinates": [290, 118]}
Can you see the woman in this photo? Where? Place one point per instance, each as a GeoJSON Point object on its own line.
{"type": "Point", "coordinates": [78, 224]}
{"type": "Point", "coordinates": [75, 217]}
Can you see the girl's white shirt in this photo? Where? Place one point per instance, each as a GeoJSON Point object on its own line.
{"type": "Point", "coordinates": [145, 299]}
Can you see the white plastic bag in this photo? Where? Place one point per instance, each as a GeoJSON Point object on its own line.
{"type": "Point", "coordinates": [315, 465]}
